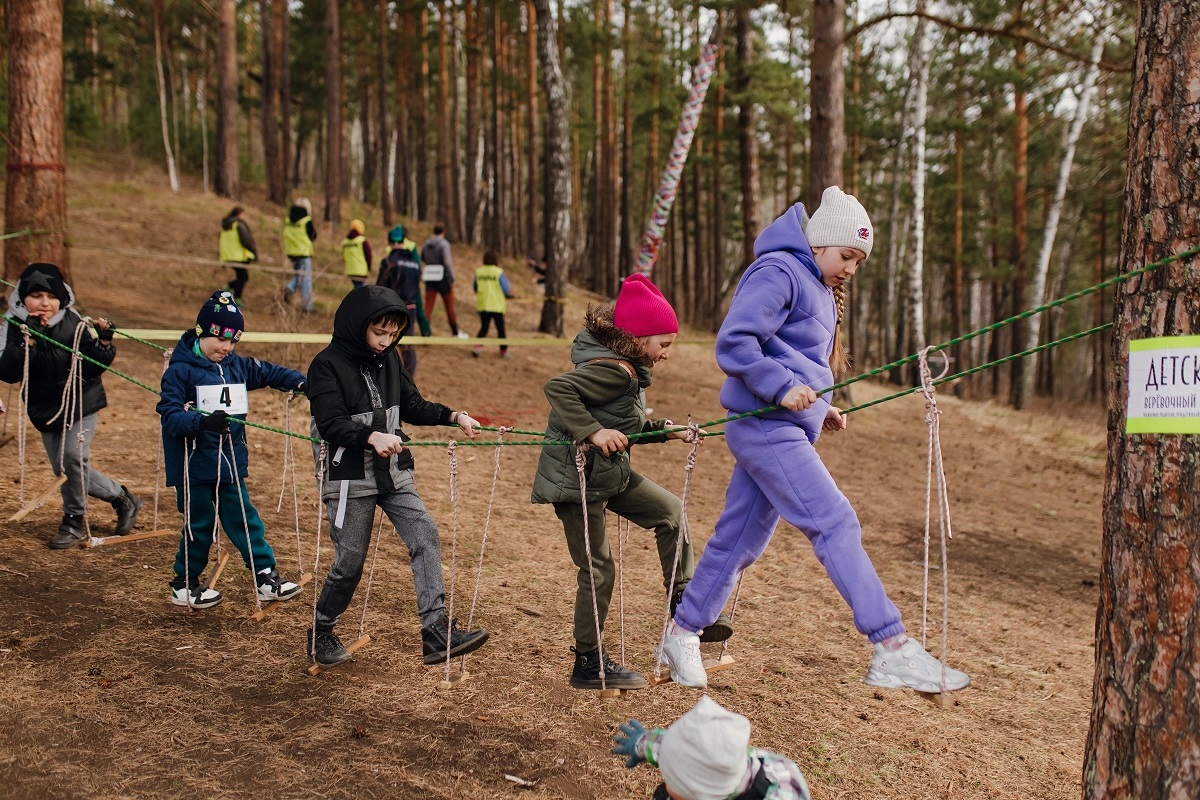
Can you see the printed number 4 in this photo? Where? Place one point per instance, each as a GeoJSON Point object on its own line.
{"type": "Point", "coordinates": [225, 400]}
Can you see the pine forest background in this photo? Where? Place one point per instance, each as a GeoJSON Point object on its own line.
{"type": "Point", "coordinates": [956, 128]}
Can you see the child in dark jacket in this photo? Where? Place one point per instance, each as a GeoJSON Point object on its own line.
{"type": "Point", "coordinates": [400, 271]}
{"type": "Point", "coordinates": [44, 303]}
{"type": "Point", "coordinates": [360, 397]}
{"type": "Point", "coordinates": [207, 458]}
{"type": "Point", "coordinates": [601, 402]}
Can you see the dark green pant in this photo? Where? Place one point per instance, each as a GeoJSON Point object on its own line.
{"type": "Point", "coordinates": [645, 504]}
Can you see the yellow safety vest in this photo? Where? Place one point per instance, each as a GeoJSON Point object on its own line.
{"type": "Point", "coordinates": [295, 238]}
{"type": "Point", "coordinates": [230, 246]}
{"type": "Point", "coordinates": [355, 258]}
{"type": "Point", "coordinates": [489, 296]}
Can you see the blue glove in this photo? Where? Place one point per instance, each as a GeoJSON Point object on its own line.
{"type": "Point", "coordinates": [630, 742]}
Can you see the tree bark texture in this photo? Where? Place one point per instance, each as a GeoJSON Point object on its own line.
{"type": "Point", "coordinates": [828, 96]}
{"type": "Point", "coordinates": [1145, 726]}
{"type": "Point", "coordinates": [558, 173]}
{"type": "Point", "coordinates": [160, 78]}
{"type": "Point", "coordinates": [422, 115]}
{"type": "Point", "coordinates": [272, 155]}
{"type": "Point", "coordinates": [1020, 217]}
{"type": "Point", "coordinates": [35, 189]}
{"type": "Point", "coordinates": [226, 181]}
{"type": "Point", "coordinates": [333, 114]}
{"type": "Point", "coordinates": [445, 132]}
{"type": "Point", "coordinates": [385, 128]}
{"type": "Point", "coordinates": [747, 135]}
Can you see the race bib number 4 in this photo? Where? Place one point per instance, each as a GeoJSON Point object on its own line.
{"type": "Point", "coordinates": [228, 397]}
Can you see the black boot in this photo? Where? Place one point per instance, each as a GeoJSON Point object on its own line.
{"type": "Point", "coordinates": [434, 640]}
{"type": "Point", "coordinates": [70, 533]}
{"type": "Point", "coordinates": [719, 631]}
{"type": "Point", "coordinates": [586, 674]}
{"type": "Point", "coordinates": [127, 507]}
{"type": "Point", "coordinates": [329, 650]}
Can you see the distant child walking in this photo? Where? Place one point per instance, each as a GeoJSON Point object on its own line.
{"type": "Point", "coordinates": [438, 275]}
{"type": "Point", "coordinates": [602, 402]}
{"type": "Point", "coordinates": [43, 302]}
{"type": "Point", "coordinates": [207, 459]}
{"type": "Point", "coordinates": [360, 398]}
{"type": "Point", "coordinates": [236, 246]}
{"type": "Point", "coordinates": [400, 271]}
{"type": "Point", "coordinates": [491, 293]}
{"type": "Point", "coordinates": [356, 254]}
{"type": "Point", "coordinates": [775, 346]}
{"type": "Point", "coordinates": [706, 755]}
{"type": "Point", "coordinates": [299, 233]}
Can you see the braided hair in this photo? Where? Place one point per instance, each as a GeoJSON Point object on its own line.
{"type": "Point", "coordinates": [839, 358]}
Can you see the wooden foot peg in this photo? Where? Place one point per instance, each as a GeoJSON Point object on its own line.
{"type": "Point", "coordinates": [711, 665]}
{"type": "Point", "coordinates": [262, 613]}
{"type": "Point", "coordinates": [454, 680]}
{"type": "Point", "coordinates": [353, 647]}
{"type": "Point", "coordinates": [37, 501]}
{"type": "Point", "coordinates": [97, 541]}
{"type": "Point", "coordinates": [221, 562]}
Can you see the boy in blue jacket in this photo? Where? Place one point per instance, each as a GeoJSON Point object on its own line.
{"type": "Point", "coordinates": [206, 458]}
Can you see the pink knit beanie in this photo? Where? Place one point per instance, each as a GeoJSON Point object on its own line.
{"type": "Point", "coordinates": [642, 310]}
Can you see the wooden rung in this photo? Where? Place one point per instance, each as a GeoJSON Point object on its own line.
{"type": "Point", "coordinates": [350, 648]}
{"type": "Point", "coordinates": [221, 562]}
{"type": "Point", "coordinates": [454, 680]}
{"type": "Point", "coordinates": [6, 440]}
{"type": "Point", "coordinates": [97, 541]}
{"type": "Point", "coordinates": [939, 699]}
{"type": "Point", "coordinates": [37, 501]}
{"type": "Point", "coordinates": [711, 665]}
{"type": "Point", "coordinates": [613, 692]}
{"type": "Point", "coordinates": [261, 614]}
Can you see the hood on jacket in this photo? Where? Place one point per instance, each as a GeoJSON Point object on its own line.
{"type": "Point", "coordinates": [355, 314]}
{"type": "Point", "coordinates": [17, 310]}
{"type": "Point", "coordinates": [185, 351]}
{"type": "Point", "coordinates": [787, 233]}
{"type": "Point", "coordinates": [600, 338]}
{"type": "Point", "coordinates": [229, 221]}
{"type": "Point", "coordinates": [297, 213]}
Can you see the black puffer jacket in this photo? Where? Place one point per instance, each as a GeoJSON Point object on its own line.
{"type": "Point", "coordinates": [346, 410]}
{"type": "Point", "coordinates": [49, 365]}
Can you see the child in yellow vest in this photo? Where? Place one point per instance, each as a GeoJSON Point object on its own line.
{"type": "Point", "coordinates": [356, 254]}
{"type": "Point", "coordinates": [491, 289]}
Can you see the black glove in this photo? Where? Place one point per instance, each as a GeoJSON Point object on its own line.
{"type": "Point", "coordinates": [105, 334]}
{"type": "Point", "coordinates": [302, 388]}
{"type": "Point", "coordinates": [217, 422]}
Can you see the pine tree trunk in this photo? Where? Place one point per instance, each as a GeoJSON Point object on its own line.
{"type": "Point", "coordinates": [283, 51]}
{"type": "Point", "coordinates": [385, 129]}
{"type": "Point", "coordinates": [161, 80]}
{"type": "Point", "coordinates": [1099, 351]}
{"type": "Point", "coordinates": [272, 157]}
{"type": "Point", "coordinates": [35, 192]}
{"type": "Point", "coordinates": [916, 271]}
{"type": "Point", "coordinates": [1020, 243]}
{"type": "Point", "coordinates": [718, 192]}
{"type": "Point", "coordinates": [532, 223]}
{"type": "Point", "coordinates": [1144, 741]}
{"type": "Point", "coordinates": [202, 111]}
{"type": "Point", "coordinates": [422, 115]}
{"type": "Point", "coordinates": [226, 182]}
{"type": "Point", "coordinates": [445, 190]}
{"type": "Point", "coordinates": [558, 198]}
{"type": "Point", "coordinates": [828, 97]}
{"type": "Point", "coordinates": [747, 135]}
{"type": "Point", "coordinates": [472, 31]}
{"type": "Point", "coordinates": [956, 260]}
{"type": "Point", "coordinates": [333, 115]}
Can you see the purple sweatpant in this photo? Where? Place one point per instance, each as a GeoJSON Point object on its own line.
{"type": "Point", "coordinates": [779, 473]}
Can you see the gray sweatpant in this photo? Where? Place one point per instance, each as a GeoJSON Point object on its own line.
{"type": "Point", "coordinates": [351, 542]}
{"type": "Point", "coordinates": [99, 485]}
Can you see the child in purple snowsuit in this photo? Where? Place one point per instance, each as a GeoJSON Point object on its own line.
{"type": "Point", "coordinates": [775, 345]}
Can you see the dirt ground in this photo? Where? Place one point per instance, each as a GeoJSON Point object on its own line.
{"type": "Point", "coordinates": [112, 692]}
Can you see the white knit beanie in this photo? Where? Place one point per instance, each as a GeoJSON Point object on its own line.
{"type": "Point", "coordinates": [703, 755]}
{"type": "Point", "coordinates": [840, 221]}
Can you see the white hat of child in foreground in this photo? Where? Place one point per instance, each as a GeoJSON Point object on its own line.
{"type": "Point", "coordinates": [703, 755]}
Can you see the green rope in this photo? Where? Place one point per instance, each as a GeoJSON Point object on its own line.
{"type": "Point", "coordinates": [981, 367]}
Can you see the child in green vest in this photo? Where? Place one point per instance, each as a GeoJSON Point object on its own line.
{"type": "Point", "coordinates": [491, 289]}
{"type": "Point", "coordinates": [600, 403]}
{"type": "Point", "coordinates": [356, 254]}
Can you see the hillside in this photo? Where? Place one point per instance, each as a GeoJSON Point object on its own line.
{"type": "Point", "coordinates": [113, 692]}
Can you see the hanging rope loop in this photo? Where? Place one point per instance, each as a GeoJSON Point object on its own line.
{"type": "Point", "coordinates": [581, 468]}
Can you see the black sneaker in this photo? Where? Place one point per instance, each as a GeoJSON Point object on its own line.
{"type": "Point", "coordinates": [719, 631]}
{"type": "Point", "coordinates": [127, 507]}
{"type": "Point", "coordinates": [329, 650]}
{"type": "Point", "coordinates": [70, 533]}
{"type": "Point", "coordinates": [586, 674]}
{"type": "Point", "coordinates": [433, 641]}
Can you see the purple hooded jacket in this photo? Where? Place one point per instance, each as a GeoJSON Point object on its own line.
{"type": "Point", "coordinates": [779, 330]}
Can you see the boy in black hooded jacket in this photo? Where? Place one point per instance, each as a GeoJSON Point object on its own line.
{"type": "Point", "coordinates": [360, 396]}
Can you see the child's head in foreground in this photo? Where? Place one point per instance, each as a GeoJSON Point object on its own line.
{"type": "Point", "coordinates": [219, 326]}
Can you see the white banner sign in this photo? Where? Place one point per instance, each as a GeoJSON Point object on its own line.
{"type": "Point", "coordinates": [1164, 385]}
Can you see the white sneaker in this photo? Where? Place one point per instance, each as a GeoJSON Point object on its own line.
{"type": "Point", "coordinates": [912, 667]}
{"type": "Point", "coordinates": [272, 587]}
{"type": "Point", "coordinates": [201, 597]}
{"type": "Point", "coordinates": [463, 335]}
{"type": "Point", "coordinates": [681, 652]}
